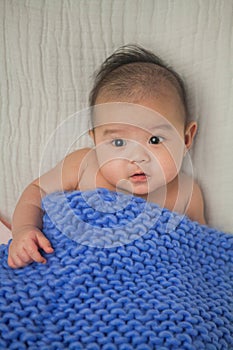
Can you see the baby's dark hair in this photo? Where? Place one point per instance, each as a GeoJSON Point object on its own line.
{"type": "Point", "coordinates": [134, 72]}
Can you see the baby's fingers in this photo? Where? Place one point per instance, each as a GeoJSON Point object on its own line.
{"type": "Point", "coordinates": [34, 254]}
{"type": "Point", "coordinates": [13, 263]}
{"type": "Point", "coordinates": [44, 243]}
{"type": "Point", "coordinates": [16, 261]}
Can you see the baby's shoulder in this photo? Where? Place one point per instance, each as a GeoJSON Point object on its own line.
{"type": "Point", "coordinates": [78, 158]}
{"type": "Point", "coordinates": [187, 181]}
{"type": "Point", "coordinates": [73, 165]}
{"type": "Point", "coordinates": [78, 154]}
{"type": "Point", "coordinates": [195, 207]}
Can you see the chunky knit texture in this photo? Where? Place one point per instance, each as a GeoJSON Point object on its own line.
{"type": "Point", "coordinates": [127, 276]}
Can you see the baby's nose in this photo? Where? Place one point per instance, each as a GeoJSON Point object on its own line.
{"type": "Point", "coordinates": [138, 154]}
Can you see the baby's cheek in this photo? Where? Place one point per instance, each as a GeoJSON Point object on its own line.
{"type": "Point", "coordinates": [171, 169]}
{"type": "Point", "coordinates": [167, 166]}
{"type": "Point", "coordinates": [175, 153]}
{"type": "Point", "coordinates": [103, 154]}
{"type": "Point", "coordinates": [112, 171]}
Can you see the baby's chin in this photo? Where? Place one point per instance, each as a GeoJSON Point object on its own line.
{"type": "Point", "coordinates": [124, 186]}
{"type": "Point", "coordinates": [127, 187]}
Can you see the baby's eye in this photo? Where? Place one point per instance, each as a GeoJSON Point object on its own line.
{"type": "Point", "coordinates": [119, 142]}
{"type": "Point", "coordinates": [155, 140]}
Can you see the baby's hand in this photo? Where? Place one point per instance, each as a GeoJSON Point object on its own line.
{"type": "Point", "coordinates": [23, 249]}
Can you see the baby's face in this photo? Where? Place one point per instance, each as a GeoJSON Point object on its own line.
{"type": "Point", "coordinates": [142, 148]}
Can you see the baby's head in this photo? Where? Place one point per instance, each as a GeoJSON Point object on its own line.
{"type": "Point", "coordinates": [135, 87]}
{"type": "Point", "coordinates": [133, 74]}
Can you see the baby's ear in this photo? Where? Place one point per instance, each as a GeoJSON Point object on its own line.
{"type": "Point", "coordinates": [190, 132]}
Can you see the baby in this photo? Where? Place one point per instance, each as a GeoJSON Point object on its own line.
{"type": "Point", "coordinates": [141, 132]}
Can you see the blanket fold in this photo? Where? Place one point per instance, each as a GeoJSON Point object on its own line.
{"type": "Point", "coordinates": [125, 275]}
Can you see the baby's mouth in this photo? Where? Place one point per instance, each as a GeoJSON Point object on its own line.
{"type": "Point", "coordinates": [138, 177]}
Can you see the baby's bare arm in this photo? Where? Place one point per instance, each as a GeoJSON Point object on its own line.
{"type": "Point", "coordinates": [28, 210]}
{"type": "Point", "coordinates": [26, 226]}
{"type": "Point", "coordinates": [27, 217]}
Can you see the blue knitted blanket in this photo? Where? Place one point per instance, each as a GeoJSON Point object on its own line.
{"type": "Point", "coordinates": [125, 275]}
